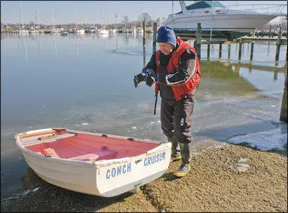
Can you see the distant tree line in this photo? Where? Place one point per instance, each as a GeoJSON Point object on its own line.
{"type": "Point", "coordinates": [125, 22]}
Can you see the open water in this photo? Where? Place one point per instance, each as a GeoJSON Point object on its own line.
{"type": "Point", "coordinates": [85, 82]}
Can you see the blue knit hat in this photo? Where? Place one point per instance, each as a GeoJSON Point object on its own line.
{"type": "Point", "coordinates": [166, 34]}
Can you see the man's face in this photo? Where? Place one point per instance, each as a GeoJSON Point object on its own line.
{"type": "Point", "coordinates": [166, 48]}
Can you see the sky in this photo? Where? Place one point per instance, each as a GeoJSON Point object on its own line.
{"type": "Point", "coordinates": [101, 12]}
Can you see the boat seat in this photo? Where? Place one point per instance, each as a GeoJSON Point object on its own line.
{"type": "Point", "coordinates": [86, 157]}
{"type": "Point", "coordinates": [49, 152]}
{"type": "Point", "coordinates": [100, 155]}
{"type": "Point", "coordinates": [106, 154]}
{"type": "Point", "coordinates": [47, 138]}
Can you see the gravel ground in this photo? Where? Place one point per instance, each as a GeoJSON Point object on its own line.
{"type": "Point", "coordinates": [224, 178]}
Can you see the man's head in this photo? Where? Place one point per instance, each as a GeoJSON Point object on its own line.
{"type": "Point", "coordinates": [166, 39]}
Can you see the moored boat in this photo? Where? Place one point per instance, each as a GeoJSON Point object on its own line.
{"type": "Point", "coordinates": [223, 21]}
{"type": "Point", "coordinates": [64, 33]}
{"type": "Point", "coordinates": [103, 31]}
{"type": "Point", "coordinates": [93, 163]}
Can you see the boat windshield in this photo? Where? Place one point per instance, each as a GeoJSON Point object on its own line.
{"type": "Point", "coordinates": [204, 4]}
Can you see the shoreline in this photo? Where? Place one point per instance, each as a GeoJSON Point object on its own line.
{"type": "Point", "coordinates": [217, 181]}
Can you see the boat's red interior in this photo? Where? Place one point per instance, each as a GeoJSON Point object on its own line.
{"type": "Point", "coordinates": [87, 147]}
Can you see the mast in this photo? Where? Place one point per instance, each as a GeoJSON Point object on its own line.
{"type": "Point", "coordinates": [76, 19]}
{"type": "Point", "coordinates": [103, 26]}
{"type": "Point", "coordinates": [211, 22]}
{"type": "Point", "coordinates": [172, 11]}
{"type": "Point", "coordinates": [21, 14]}
{"type": "Point", "coordinates": [53, 17]}
{"type": "Point", "coordinates": [116, 16]}
{"type": "Point", "coordinates": [36, 19]}
{"type": "Point", "coordinates": [20, 18]}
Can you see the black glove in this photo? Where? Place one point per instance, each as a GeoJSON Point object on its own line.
{"type": "Point", "coordinates": [150, 77]}
{"type": "Point", "coordinates": [150, 80]}
{"type": "Point", "coordinates": [139, 78]}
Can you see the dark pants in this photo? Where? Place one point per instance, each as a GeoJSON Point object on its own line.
{"type": "Point", "coordinates": [176, 118]}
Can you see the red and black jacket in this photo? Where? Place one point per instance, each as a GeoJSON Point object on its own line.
{"type": "Point", "coordinates": [184, 63]}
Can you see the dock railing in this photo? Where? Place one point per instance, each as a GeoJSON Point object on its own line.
{"type": "Point", "coordinates": [261, 8]}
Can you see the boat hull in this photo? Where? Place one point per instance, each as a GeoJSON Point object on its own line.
{"type": "Point", "coordinates": [226, 35]}
{"type": "Point", "coordinates": [105, 178]}
{"type": "Point", "coordinates": [232, 25]}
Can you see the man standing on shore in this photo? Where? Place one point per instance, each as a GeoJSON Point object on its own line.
{"type": "Point", "coordinates": [175, 70]}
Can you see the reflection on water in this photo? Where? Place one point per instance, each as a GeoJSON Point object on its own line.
{"type": "Point", "coordinates": [264, 54]}
{"type": "Point", "coordinates": [85, 82]}
{"type": "Point", "coordinates": [24, 45]}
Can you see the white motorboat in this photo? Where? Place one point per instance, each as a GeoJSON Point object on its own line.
{"type": "Point", "coordinates": [23, 32]}
{"type": "Point", "coordinates": [217, 18]}
{"type": "Point", "coordinates": [113, 31]}
{"type": "Point", "coordinates": [33, 31]}
{"type": "Point", "coordinates": [103, 31]}
{"type": "Point", "coordinates": [55, 30]}
{"type": "Point", "coordinates": [81, 31]}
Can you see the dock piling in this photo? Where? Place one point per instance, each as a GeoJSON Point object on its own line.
{"type": "Point", "coordinates": [283, 113]}
{"type": "Point", "coordinates": [144, 43]}
{"type": "Point", "coordinates": [278, 47]}
{"type": "Point", "coordinates": [270, 27]}
{"type": "Point", "coordinates": [208, 52]}
{"type": "Point", "coordinates": [251, 50]}
{"type": "Point", "coordinates": [240, 51]}
{"type": "Point", "coordinates": [144, 29]}
{"type": "Point", "coordinates": [229, 51]}
{"type": "Point", "coordinates": [220, 50]}
{"type": "Point", "coordinates": [198, 40]}
{"type": "Point", "coordinates": [154, 36]}
{"type": "Point", "coordinates": [286, 55]}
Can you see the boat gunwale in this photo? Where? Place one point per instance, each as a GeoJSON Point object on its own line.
{"type": "Point", "coordinates": [95, 164]}
{"type": "Point", "coordinates": [218, 15]}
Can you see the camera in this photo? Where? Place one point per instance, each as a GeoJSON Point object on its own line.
{"type": "Point", "coordinates": [139, 78]}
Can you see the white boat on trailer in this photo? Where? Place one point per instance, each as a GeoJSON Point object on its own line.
{"type": "Point", "coordinates": [93, 163]}
{"type": "Point", "coordinates": [227, 21]}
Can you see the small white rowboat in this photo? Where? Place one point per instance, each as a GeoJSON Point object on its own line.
{"type": "Point", "coordinates": [92, 163]}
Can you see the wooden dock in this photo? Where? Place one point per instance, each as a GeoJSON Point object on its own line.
{"type": "Point", "coordinates": [244, 39]}
{"type": "Point", "coordinates": [247, 39]}
{"type": "Point", "coordinates": [198, 40]}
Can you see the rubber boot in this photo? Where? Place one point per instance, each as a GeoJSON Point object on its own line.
{"type": "Point", "coordinates": [185, 166]}
{"type": "Point", "coordinates": [175, 150]}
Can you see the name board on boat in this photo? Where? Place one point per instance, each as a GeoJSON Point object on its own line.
{"type": "Point", "coordinates": [119, 170]}
{"type": "Point", "coordinates": [126, 168]}
{"type": "Point", "coordinates": [148, 161]}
